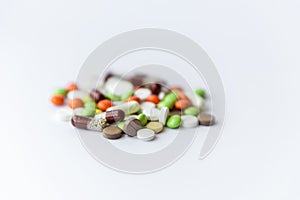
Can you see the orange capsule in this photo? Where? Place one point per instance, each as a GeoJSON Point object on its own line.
{"type": "Point", "coordinates": [104, 104]}
{"type": "Point", "coordinates": [182, 104]}
{"type": "Point", "coordinates": [75, 103]}
{"type": "Point", "coordinates": [153, 98]}
{"type": "Point", "coordinates": [71, 86]}
{"type": "Point", "coordinates": [176, 89]}
{"type": "Point", "coordinates": [58, 99]}
{"type": "Point", "coordinates": [181, 95]}
{"type": "Point", "coordinates": [133, 98]}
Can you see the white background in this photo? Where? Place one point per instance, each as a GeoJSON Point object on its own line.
{"type": "Point", "coordinates": [255, 46]}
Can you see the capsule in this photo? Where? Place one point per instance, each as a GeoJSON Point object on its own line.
{"type": "Point", "coordinates": [97, 124]}
{"type": "Point", "coordinates": [128, 107]}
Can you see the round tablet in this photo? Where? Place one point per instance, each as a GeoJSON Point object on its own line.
{"type": "Point", "coordinates": [112, 132]}
{"type": "Point", "coordinates": [206, 119]}
{"type": "Point", "coordinates": [189, 121]}
{"type": "Point", "coordinates": [63, 114]}
{"type": "Point", "coordinates": [145, 134]}
{"type": "Point", "coordinates": [157, 127]}
{"type": "Point", "coordinates": [142, 93]}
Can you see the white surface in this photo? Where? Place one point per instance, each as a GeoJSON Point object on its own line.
{"type": "Point", "coordinates": [255, 46]}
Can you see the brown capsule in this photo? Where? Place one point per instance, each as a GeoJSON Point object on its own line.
{"type": "Point", "coordinates": [155, 88]}
{"type": "Point", "coordinates": [80, 121]}
{"type": "Point", "coordinates": [107, 76]}
{"type": "Point", "coordinates": [137, 80]}
{"type": "Point", "coordinates": [114, 116]}
{"type": "Point", "coordinates": [96, 95]}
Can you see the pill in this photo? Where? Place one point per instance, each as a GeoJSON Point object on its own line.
{"type": "Point", "coordinates": [146, 107]}
{"type": "Point", "coordinates": [71, 86]}
{"type": "Point", "coordinates": [98, 111]}
{"type": "Point", "coordinates": [126, 95]}
{"type": "Point", "coordinates": [189, 121]}
{"type": "Point", "coordinates": [112, 97]}
{"type": "Point", "coordinates": [206, 119]}
{"type": "Point", "coordinates": [114, 116]}
{"type": "Point", "coordinates": [175, 112]}
{"type": "Point", "coordinates": [96, 95]}
{"type": "Point", "coordinates": [200, 92]}
{"type": "Point", "coordinates": [63, 114]}
{"type": "Point", "coordinates": [191, 111]}
{"type": "Point", "coordinates": [154, 114]}
{"type": "Point", "coordinates": [137, 80]}
{"type": "Point", "coordinates": [181, 95]}
{"type": "Point", "coordinates": [174, 121]}
{"type": "Point", "coordinates": [60, 91]}
{"type": "Point", "coordinates": [104, 104]}
{"type": "Point", "coordinates": [166, 103]}
{"type": "Point", "coordinates": [117, 86]}
{"type": "Point", "coordinates": [58, 99]}
{"type": "Point", "coordinates": [97, 123]}
{"type": "Point", "coordinates": [145, 134]}
{"type": "Point", "coordinates": [142, 93]}
{"type": "Point", "coordinates": [121, 125]}
{"type": "Point", "coordinates": [182, 104]}
{"type": "Point", "coordinates": [161, 95]}
{"type": "Point", "coordinates": [88, 112]}
{"type": "Point", "coordinates": [133, 98]}
{"type": "Point", "coordinates": [155, 88]}
{"type": "Point", "coordinates": [77, 94]}
{"type": "Point", "coordinates": [196, 100]}
{"type": "Point", "coordinates": [163, 115]}
{"type": "Point", "coordinates": [153, 98]}
{"type": "Point", "coordinates": [112, 132]}
{"type": "Point", "coordinates": [176, 88]}
{"type": "Point", "coordinates": [143, 119]}
{"type": "Point", "coordinates": [90, 104]}
{"type": "Point", "coordinates": [131, 127]}
{"type": "Point", "coordinates": [170, 97]}
{"type": "Point", "coordinates": [128, 107]}
{"type": "Point", "coordinates": [75, 103]}
{"type": "Point", "coordinates": [157, 127]}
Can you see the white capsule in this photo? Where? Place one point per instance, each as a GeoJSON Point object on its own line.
{"type": "Point", "coordinates": [142, 93]}
{"type": "Point", "coordinates": [128, 107]}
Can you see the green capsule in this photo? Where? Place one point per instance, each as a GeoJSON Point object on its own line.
{"type": "Point", "coordinates": [87, 99]}
{"type": "Point", "coordinates": [191, 111]}
{"type": "Point", "coordinates": [170, 97]}
{"type": "Point", "coordinates": [174, 121]}
{"type": "Point", "coordinates": [168, 104]}
{"type": "Point", "coordinates": [200, 92]}
{"type": "Point", "coordinates": [143, 119]}
{"type": "Point", "coordinates": [113, 97]}
{"type": "Point", "coordinates": [90, 104]}
{"type": "Point", "coordinates": [60, 91]}
{"type": "Point", "coordinates": [88, 112]}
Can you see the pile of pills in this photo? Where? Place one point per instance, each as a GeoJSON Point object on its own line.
{"type": "Point", "coordinates": [132, 106]}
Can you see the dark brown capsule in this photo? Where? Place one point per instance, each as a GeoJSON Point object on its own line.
{"type": "Point", "coordinates": [114, 116]}
{"type": "Point", "coordinates": [155, 88]}
{"type": "Point", "coordinates": [96, 95]}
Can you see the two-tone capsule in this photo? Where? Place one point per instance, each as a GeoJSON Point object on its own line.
{"type": "Point", "coordinates": [98, 123]}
